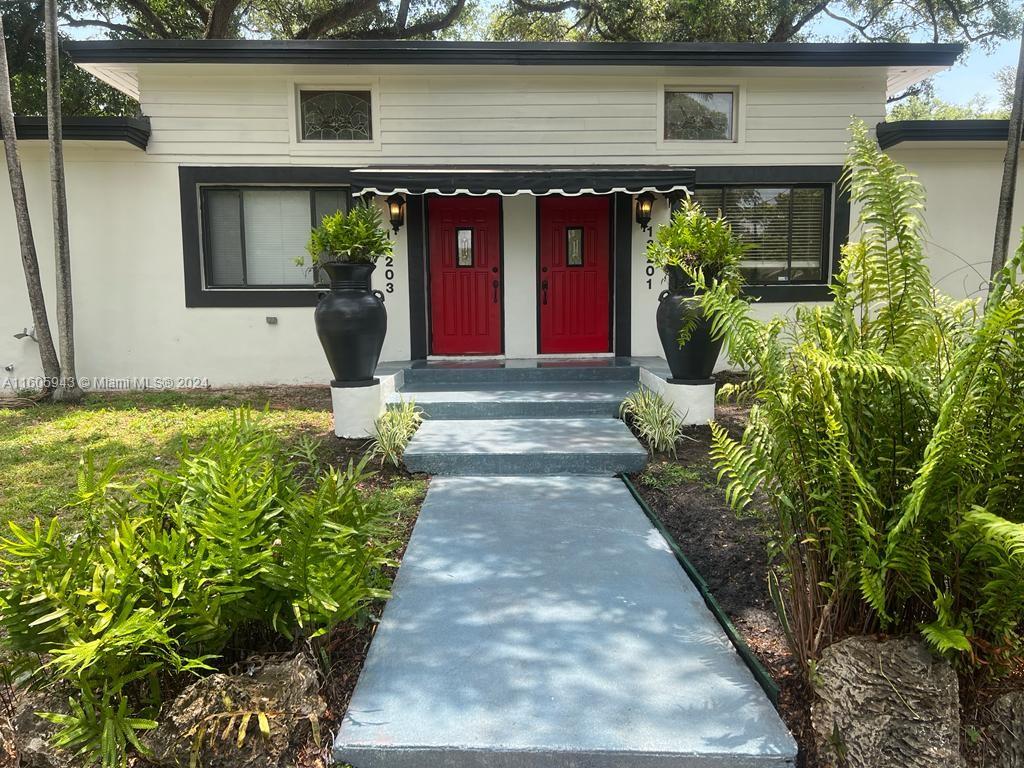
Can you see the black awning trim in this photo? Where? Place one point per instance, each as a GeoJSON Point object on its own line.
{"type": "Point", "coordinates": [533, 181]}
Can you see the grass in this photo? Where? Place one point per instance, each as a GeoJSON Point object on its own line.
{"type": "Point", "coordinates": [41, 447]}
{"type": "Point", "coordinates": [667, 475]}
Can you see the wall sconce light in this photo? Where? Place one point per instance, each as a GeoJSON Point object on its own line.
{"type": "Point", "coordinates": [644, 205]}
{"type": "Point", "coordinates": [396, 211]}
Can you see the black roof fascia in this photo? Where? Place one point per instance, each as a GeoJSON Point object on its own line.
{"type": "Point", "coordinates": [133, 130]}
{"type": "Point", "coordinates": [898, 131]}
{"type": "Point", "coordinates": [514, 53]}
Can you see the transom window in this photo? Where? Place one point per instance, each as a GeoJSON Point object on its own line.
{"type": "Point", "coordinates": [335, 115]}
{"type": "Point", "coordinates": [787, 225]}
{"type": "Point", "coordinates": [700, 115]}
{"type": "Point", "coordinates": [252, 236]}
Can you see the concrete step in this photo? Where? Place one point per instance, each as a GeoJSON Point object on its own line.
{"type": "Point", "coordinates": [523, 447]}
{"type": "Point", "coordinates": [542, 622]}
{"type": "Point", "coordinates": [529, 400]}
{"type": "Point", "coordinates": [521, 372]}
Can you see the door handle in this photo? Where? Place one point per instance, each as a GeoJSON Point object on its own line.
{"type": "Point", "coordinates": [544, 288]}
{"type": "Point", "coordinates": [494, 285]}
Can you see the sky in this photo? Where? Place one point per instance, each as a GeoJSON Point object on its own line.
{"type": "Point", "coordinates": [973, 74]}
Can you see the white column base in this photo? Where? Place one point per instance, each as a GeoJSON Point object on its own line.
{"type": "Point", "coordinates": [694, 403]}
{"type": "Point", "coordinates": [356, 409]}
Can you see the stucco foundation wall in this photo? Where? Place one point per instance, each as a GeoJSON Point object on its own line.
{"type": "Point", "coordinates": [130, 315]}
{"type": "Point", "coordinates": [962, 183]}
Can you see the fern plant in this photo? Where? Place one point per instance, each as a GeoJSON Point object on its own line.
{"type": "Point", "coordinates": [393, 430]}
{"type": "Point", "coordinates": [174, 571]}
{"type": "Point", "coordinates": [653, 419]}
{"type": "Point", "coordinates": [885, 432]}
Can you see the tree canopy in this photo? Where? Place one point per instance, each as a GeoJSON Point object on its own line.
{"type": "Point", "coordinates": [975, 22]}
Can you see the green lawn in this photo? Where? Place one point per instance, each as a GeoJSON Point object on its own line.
{"type": "Point", "coordinates": [41, 446]}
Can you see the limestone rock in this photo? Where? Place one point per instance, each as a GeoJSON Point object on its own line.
{"type": "Point", "coordinates": [212, 710]}
{"type": "Point", "coordinates": [1004, 737]}
{"type": "Point", "coordinates": [32, 733]}
{"type": "Point", "coordinates": [886, 704]}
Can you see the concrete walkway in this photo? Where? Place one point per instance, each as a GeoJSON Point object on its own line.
{"type": "Point", "coordinates": [542, 622]}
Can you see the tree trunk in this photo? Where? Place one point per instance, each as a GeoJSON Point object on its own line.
{"type": "Point", "coordinates": [29, 260]}
{"type": "Point", "coordinates": [68, 388]}
{"type": "Point", "coordinates": [1004, 214]}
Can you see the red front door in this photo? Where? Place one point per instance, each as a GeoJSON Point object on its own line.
{"type": "Point", "coordinates": [574, 284]}
{"type": "Point", "coordinates": [465, 275]}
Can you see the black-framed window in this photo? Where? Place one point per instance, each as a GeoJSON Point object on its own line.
{"type": "Point", "coordinates": [253, 235]}
{"type": "Point", "coordinates": [787, 225]}
{"type": "Point", "coordinates": [700, 115]}
{"type": "Point", "coordinates": [335, 115]}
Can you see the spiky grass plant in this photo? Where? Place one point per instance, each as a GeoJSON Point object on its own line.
{"type": "Point", "coordinates": [886, 440]}
{"type": "Point", "coordinates": [392, 432]}
{"type": "Point", "coordinates": [653, 419]}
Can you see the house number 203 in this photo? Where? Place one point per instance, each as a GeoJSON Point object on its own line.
{"type": "Point", "coordinates": [389, 274]}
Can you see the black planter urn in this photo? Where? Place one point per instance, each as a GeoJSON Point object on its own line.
{"type": "Point", "coordinates": [695, 360]}
{"type": "Point", "coordinates": [351, 322]}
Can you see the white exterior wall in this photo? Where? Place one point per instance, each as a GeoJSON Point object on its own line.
{"type": "Point", "coordinates": [962, 182]}
{"type": "Point", "coordinates": [131, 318]}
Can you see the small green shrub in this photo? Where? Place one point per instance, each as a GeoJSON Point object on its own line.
{"type": "Point", "coordinates": [653, 419]}
{"type": "Point", "coordinates": [697, 242]}
{"type": "Point", "coordinates": [393, 430]}
{"type": "Point", "coordinates": [355, 236]}
{"type": "Point", "coordinates": [231, 547]}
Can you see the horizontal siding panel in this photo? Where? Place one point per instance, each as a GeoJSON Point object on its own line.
{"type": "Point", "coordinates": [514, 125]}
{"type": "Point", "coordinates": [222, 111]}
{"type": "Point", "coordinates": [220, 124]}
{"type": "Point", "coordinates": [526, 118]}
{"type": "Point", "coordinates": [791, 111]}
{"type": "Point", "coordinates": [241, 137]}
{"type": "Point", "coordinates": [506, 111]}
{"type": "Point", "coordinates": [252, 97]}
{"type": "Point", "coordinates": [558, 139]}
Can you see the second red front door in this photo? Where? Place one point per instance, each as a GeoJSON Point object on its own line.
{"type": "Point", "coordinates": [574, 282]}
{"type": "Point", "coordinates": [465, 275]}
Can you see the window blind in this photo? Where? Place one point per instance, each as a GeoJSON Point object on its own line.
{"type": "Point", "coordinates": [277, 225]}
{"type": "Point", "coordinates": [786, 226]}
{"type": "Point", "coordinates": [223, 212]}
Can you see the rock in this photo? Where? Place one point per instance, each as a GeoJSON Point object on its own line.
{"type": "Point", "coordinates": [885, 704]}
{"type": "Point", "coordinates": [1004, 736]}
{"type": "Point", "coordinates": [32, 733]}
{"type": "Point", "coordinates": [212, 709]}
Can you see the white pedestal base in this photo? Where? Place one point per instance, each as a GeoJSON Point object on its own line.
{"type": "Point", "coordinates": [695, 403]}
{"type": "Point", "coordinates": [356, 409]}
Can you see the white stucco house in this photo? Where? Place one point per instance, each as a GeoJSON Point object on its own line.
{"type": "Point", "coordinates": [526, 161]}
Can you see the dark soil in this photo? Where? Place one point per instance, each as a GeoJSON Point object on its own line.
{"type": "Point", "coordinates": [731, 554]}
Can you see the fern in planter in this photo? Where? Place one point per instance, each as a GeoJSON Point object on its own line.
{"type": "Point", "coordinates": [885, 441]}
{"type": "Point", "coordinates": [355, 237]}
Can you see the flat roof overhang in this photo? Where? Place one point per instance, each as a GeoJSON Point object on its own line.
{"type": "Point", "coordinates": [131, 130]}
{"type": "Point", "coordinates": [932, 131]}
{"type": "Point", "coordinates": [116, 61]}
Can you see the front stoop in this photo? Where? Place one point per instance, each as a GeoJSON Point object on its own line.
{"type": "Point", "coordinates": [524, 447]}
{"type": "Point", "coordinates": [542, 622]}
